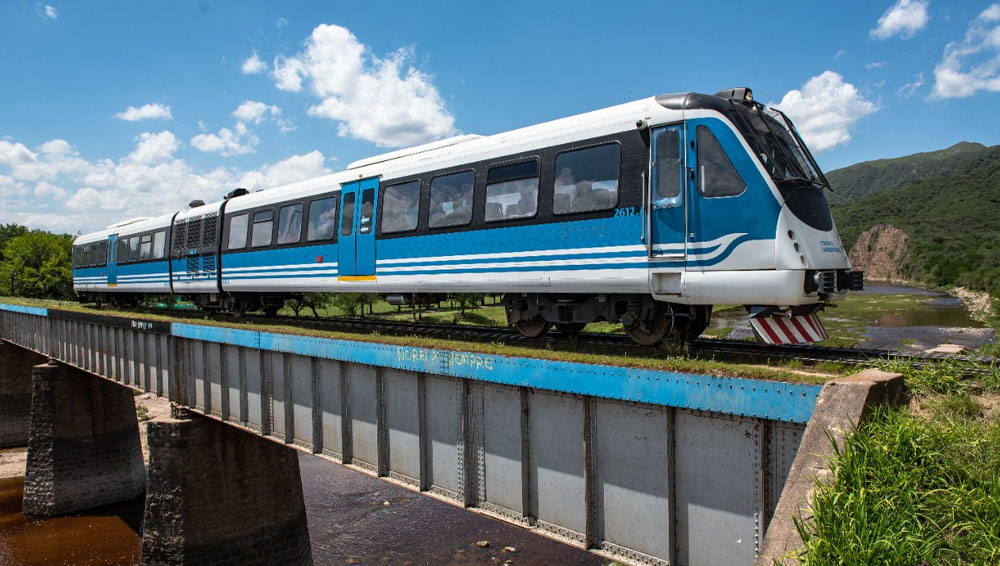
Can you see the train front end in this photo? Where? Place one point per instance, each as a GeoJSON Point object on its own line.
{"type": "Point", "coordinates": [806, 238]}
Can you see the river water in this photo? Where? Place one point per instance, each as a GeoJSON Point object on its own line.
{"type": "Point", "coordinates": [942, 320]}
{"type": "Point", "coordinates": [350, 522]}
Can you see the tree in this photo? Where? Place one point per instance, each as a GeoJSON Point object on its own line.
{"type": "Point", "coordinates": [347, 303]}
{"type": "Point", "coordinates": [39, 264]}
{"type": "Point", "coordinates": [7, 233]}
{"type": "Point", "coordinates": [467, 300]}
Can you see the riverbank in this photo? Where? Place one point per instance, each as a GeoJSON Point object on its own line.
{"type": "Point", "coordinates": [916, 484]}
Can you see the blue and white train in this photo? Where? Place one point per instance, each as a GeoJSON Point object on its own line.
{"type": "Point", "coordinates": [647, 213]}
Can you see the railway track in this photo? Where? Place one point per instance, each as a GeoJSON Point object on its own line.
{"type": "Point", "coordinates": [735, 350]}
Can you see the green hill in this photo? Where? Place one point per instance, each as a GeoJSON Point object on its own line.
{"type": "Point", "coordinates": [871, 177]}
{"type": "Point", "coordinates": [951, 222]}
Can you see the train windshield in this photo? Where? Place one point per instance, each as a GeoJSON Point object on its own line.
{"type": "Point", "coordinates": [780, 149]}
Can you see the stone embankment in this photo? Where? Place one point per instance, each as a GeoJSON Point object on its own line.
{"type": "Point", "coordinates": [979, 303]}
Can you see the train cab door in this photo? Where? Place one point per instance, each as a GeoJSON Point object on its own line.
{"type": "Point", "coordinates": [720, 211]}
{"type": "Point", "coordinates": [112, 267]}
{"type": "Point", "coordinates": [356, 244]}
{"type": "Point", "coordinates": [668, 193]}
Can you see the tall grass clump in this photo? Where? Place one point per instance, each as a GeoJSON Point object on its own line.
{"type": "Point", "coordinates": [908, 491]}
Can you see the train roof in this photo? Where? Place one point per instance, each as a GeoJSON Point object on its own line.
{"type": "Point", "coordinates": [463, 149]}
{"type": "Point", "coordinates": [126, 228]}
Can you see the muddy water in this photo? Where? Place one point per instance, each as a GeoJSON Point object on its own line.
{"type": "Point", "coordinates": [942, 311]}
{"type": "Point", "coordinates": [107, 536]}
{"type": "Point", "coordinates": [353, 519]}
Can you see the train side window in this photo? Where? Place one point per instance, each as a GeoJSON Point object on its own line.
{"type": "Point", "coordinates": [159, 244]}
{"type": "Point", "coordinates": [717, 176]}
{"type": "Point", "coordinates": [122, 250]}
{"type": "Point", "coordinates": [451, 200]}
{"type": "Point", "coordinates": [146, 247]}
{"type": "Point", "coordinates": [400, 207]}
{"type": "Point", "coordinates": [102, 254]}
{"type": "Point", "coordinates": [133, 249]}
{"type": "Point", "coordinates": [290, 224]}
{"type": "Point", "coordinates": [512, 191]}
{"type": "Point", "coordinates": [668, 167]}
{"type": "Point", "coordinates": [86, 255]}
{"type": "Point", "coordinates": [347, 218]}
{"type": "Point", "coordinates": [367, 209]}
{"type": "Point", "coordinates": [587, 179]}
{"type": "Point", "coordinates": [322, 219]}
{"type": "Point", "coordinates": [263, 224]}
{"type": "Point", "coordinates": [238, 232]}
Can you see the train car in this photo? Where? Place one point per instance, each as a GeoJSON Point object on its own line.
{"type": "Point", "coordinates": [646, 213]}
{"type": "Point", "coordinates": [123, 262]}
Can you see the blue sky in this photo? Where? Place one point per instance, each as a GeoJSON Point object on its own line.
{"type": "Point", "coordinates": [111, 110]}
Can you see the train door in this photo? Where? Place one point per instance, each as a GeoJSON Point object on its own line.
{"type": "Point", "coordinates": [670, 182]}
{"type": "Point", "coordinates": [717, 215]}
{"type": "Point", "coordinates": [112, 269]}
{"type": "Point", "coordinates": [356, 245]}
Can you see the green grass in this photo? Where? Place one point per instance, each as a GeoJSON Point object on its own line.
{"type": "Point", "coordinates": [908, 490]}
{"type": "Point", "coordinates": [946, 377]}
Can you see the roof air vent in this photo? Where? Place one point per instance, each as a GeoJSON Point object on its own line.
{"type": "Point", "coordinates": [196, 203]}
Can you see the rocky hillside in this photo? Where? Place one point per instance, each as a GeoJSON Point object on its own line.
{"type": "Point", "coordinates": [872, 177]}
{"type": "Point", "coordinates": [942, 231]}
{"type": "Point", "coordinates": [880, 252]}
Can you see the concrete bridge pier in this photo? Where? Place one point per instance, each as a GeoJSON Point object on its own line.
{"type": "Point", "coordinates": [15, 393]}
{"type": "Point", "coordinates": [83, 445]}
{"type": "Point", "coordinates": [219, 495]}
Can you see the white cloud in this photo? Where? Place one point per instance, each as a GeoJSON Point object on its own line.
{"type": "Point", "coordinates": [295, 168]}
{"type": "Point", "coordinates": [825, 110]}
{"type": "Point", "coordinates": [383, 100]}
{"type": "Point", "coordinates": [909, 89]}
{"type": "Point", "coordinates": [154, 148]}
{"type": "Point", "coordinates": [281, 22]}
{"type": "Point", "coordinates": [153, 111]}
{"type": "Point", "coordinates": [972, 64]}
{"type": "Point", "coordinates": [254, 111]}
{"type": "Point", "coordinates": [47, 12]}
{"type": "Point", "coordinates": [253, 65]}
{"type": "Point", "coordinates": [241, 139]}
{"type": "Point", "coordinates": [69, 194]}
{"type": "Point", "coordinates": [904, 18]}
{"type": "Point", "coordinates": [11, 188]}
{"type": "Point", "coordinates": [54, 157]}
{"type": "Point", "coordinates": [875, 65]}
{"type": "Point", "coordinates": [237, 141]}
{"type": "Point", "coordinates": [288, 72]}
{"type": "Point", "coordinates": [44, 189]}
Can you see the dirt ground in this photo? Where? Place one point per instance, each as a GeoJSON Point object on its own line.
{"type": "Point", "coordinates": [12, 460]}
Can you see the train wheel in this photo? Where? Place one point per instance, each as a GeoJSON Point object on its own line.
{"type": "Point", "coordinates": [697, 325]}
{"type": "Point", "coordinates": [532, 328]}
{"type": "Point", "coordinates": [654, 330]}
{"type": "Point", "coordinates": [571, 328]}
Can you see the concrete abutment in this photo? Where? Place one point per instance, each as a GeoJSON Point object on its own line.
{"type": "Point", "coordinates": [219, 495]}
{"type": "Point", "coordinates": [83, 445]}
{"type": "Point", "coordinates": [15, 393]}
